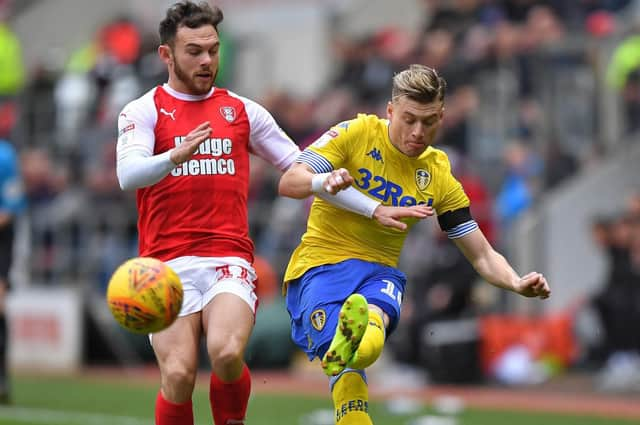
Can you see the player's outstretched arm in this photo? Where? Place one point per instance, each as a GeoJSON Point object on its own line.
{"type": "Point", "coordinates": [390, 216]}
{"type": "Point", "coordinates": [495, 269]}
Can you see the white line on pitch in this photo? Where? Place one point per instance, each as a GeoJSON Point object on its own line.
{"type": "Point", "coordinates": [48, 416]}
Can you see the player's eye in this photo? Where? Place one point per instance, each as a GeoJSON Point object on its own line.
{"type": "Point", "coordinates": [430, 121]}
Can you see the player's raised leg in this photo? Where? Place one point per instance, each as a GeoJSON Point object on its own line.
{"type": "Point", "coordinates": [352, 323]}
{"type": "Point", "coordinates": [372, 342]}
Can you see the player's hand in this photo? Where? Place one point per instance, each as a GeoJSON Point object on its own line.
{"type": "Point", "coordinates": [390, 216]}
{"type": "Point", "coordinates": [185, 150]}
{"type": "Point", "coordinates": [533, 284]}
{"type": "Point", "coordinates": [338, 180]}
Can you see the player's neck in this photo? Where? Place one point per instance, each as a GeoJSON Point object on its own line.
{"type": "Point", "coordinates": [180, 94]}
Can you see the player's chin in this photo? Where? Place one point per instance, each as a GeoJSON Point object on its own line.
{"type": "Point", "coordinates": [415, 149]}
{"type": "Point", "coordinates": [203, 83]}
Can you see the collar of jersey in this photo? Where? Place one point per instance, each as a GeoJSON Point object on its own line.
{"type": "Point", "coordinates": [184, 96]}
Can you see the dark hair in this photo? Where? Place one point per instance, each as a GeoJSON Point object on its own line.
{"type": "Point", "coordinates": [419, 83]}
{"type": "Point", "coordinates": [189, 14]}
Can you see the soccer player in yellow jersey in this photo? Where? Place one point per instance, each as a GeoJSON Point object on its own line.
{"type": "Point", "coordinates": [343, 289]}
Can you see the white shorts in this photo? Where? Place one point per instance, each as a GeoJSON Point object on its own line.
{"type": "Point", "coordinates": [205, 277]}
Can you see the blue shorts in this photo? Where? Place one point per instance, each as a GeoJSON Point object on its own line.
{"type": "Point", "coordinates": [314, 300]}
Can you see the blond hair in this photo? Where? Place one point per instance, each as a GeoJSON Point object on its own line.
{"type": "Point", "coordinates": [419, 83]}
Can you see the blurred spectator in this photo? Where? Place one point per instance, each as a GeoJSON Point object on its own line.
{"type": "Point", "coordinates": [12, 203]}
{"type": "Point", "coordinates": [462, 104]}
{"type": "Point", "coordinates": [12, 71]}
{"type": "Point", "coordinates": [39, 112]}
{"type": "Point", "coordinates": [559, 165]}
{"type": "Point", "coordinates": [455, 16]}
{"type": "Point", "coordinates": [74, 97]}
{"type": "Point", "coordinates": [437, 49]}
{"type": "Point", "coordinates": [520, 184]}
{"type": "Point", "coordinates": [100, 78]}
{"type": "Point", "coordinates": [52, 203]}
{"type": "Point", "coordinates": [623, 74]}
{"type": "Point", "coordinates": [149, 68]}
{"type": "Point", "coordinates": [43, 180]}
{"type": "Point", "coordinates": [618, 302]}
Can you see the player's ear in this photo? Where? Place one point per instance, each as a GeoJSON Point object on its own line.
{"type": "Point", "coordinates": [389, 109]}
{"type": "Point", "coordinates": [164, 51]}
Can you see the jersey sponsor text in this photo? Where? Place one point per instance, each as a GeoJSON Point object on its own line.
{"type": "Point", "coordinates": [215, 147]}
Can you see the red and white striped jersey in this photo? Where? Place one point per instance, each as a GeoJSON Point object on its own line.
{"type": "Point", "coordinates": [200, 207]}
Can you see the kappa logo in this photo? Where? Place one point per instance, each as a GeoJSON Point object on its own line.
{"type": "Point", "coordinates": [375, 154]}
{"type": "Point", "coordinates": [318, 319]}
{"type": "Point", "coordinates": [423, 178]}
{"type": "Point", "coordinates": [344, 124]}
{"type": "Point", "coordinates": [228, 113]}
{"type": "Point", "coordinates": [170, 114]}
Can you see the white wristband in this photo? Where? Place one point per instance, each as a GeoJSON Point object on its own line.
{"type": "Point", "coordinates": [352, 200]}
{"type": "Point", "coordinates": [317, 182]}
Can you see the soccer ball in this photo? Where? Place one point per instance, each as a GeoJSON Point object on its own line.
{"type": "Point", "coordinates": [144, 295]}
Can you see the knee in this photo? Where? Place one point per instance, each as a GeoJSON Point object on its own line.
{"type": "Point", "coordinates": [178, 379]}
{"type": "Point", "coordinates": [226, 353]}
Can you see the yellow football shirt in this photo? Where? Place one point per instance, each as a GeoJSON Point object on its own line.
{"type": "Point", "coordinates": [382, 172]}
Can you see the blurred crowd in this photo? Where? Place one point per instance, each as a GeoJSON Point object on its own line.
{"type": "Point", "coordinates": [522, 116]}
{"type": "Point", "coordinates": [617, 304]}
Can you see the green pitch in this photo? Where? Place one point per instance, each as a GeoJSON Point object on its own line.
{"type": "Point", "coordinates": [112, 401]}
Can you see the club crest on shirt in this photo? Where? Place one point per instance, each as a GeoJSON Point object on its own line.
{"type": "Point", "coordinates": [318, 319]}
{"type": "Point", "coordinates": [228, 113]}
{"type": "Point", "coordinates": [423, 178]}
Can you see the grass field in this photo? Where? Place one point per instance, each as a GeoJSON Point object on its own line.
{"type": "Point", "coordinates": [108, 401]}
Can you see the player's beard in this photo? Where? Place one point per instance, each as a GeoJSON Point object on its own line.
{"type": "Point", "coordinates": [190, 81]}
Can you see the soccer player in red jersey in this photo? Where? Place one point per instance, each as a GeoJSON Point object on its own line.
{"type": "Point", "coordinates": [185, 147]}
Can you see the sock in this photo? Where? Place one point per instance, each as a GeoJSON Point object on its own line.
{"type": "Point", "coordinates": [229, 400]}
{"type": "Point", "coordinates": [351, 399]}
{"type": "Point", "coordinates": [168, 413]}
{"type": "Point", "coordinates": [371, 344]}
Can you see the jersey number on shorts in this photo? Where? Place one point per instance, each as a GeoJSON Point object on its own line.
{"type": "Point", "coordinates": [391, 291]}
{"type": "Point", "coordinates": [233, 272]}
